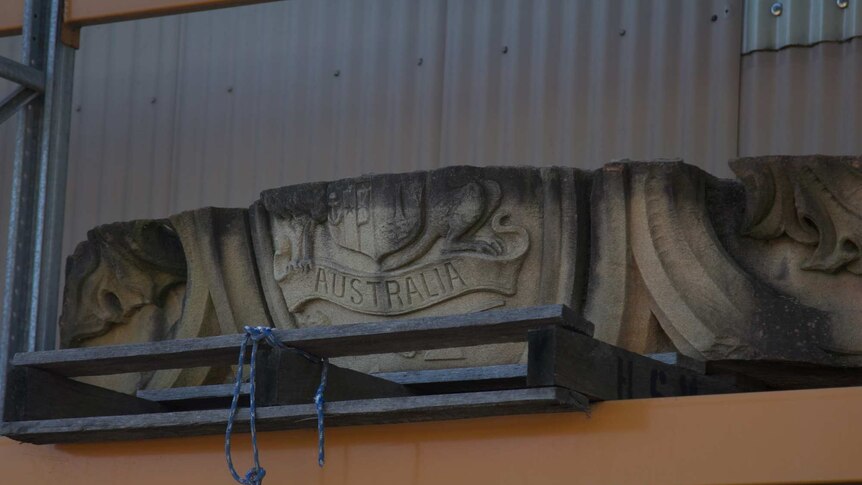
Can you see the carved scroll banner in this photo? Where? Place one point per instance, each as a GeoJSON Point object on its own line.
{"type": "Point", "coordinates": [404, 291]}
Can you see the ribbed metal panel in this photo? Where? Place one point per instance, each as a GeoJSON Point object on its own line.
{"type": "Point", "coordinates": [802, 101]}
{"type": "Point", "coordinates": [800, 23]}
{"type": "Point", "coordinates": [584, 82]}
{"type": "Point", "coordinates": [9, 47]}
{"type": "Point", "coordinates": [210, 108]}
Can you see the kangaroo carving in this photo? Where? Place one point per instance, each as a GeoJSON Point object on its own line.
{"type": "Point", "coordinates": [454, 214]}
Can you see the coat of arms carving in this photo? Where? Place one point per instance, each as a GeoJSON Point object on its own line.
{"type": "Point", "coordinates": [394, 244]}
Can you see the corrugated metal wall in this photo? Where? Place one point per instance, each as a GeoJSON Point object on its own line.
{"type": "Point", "coordinates": [802, 100]}
{"type": "Point", "coordinates": [581, 83]}
{"type": "Point", "coordinates": [799, 23]}
{"type": "Point", "coordinates": [210, 108]}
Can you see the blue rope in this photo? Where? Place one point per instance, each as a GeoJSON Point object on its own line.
{"type": "Point", "coordinates": [255, 475]}
{"type": "Point", "coordinates": [318, 403]}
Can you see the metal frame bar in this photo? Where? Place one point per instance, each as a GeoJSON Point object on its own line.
{"type": "Point", "coordinates": [29, 307]}
{"type": "Point", "coordinates": [22, 74]}
{"type": "Point", "coordinates": [80, 13]}
{"type": "Point", "coordinates": [92, 12]}
{"type": "Point", "coordinates": [15, 101]}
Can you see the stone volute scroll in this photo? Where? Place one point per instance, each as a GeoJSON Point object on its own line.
{"type": "Point", "coordinates": [680, 277]}
{"type": "Point", "coordinates": [756, 275]}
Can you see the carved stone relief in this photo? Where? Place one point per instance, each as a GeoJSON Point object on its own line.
{"type": "Point", "coordinates": [801, 234]}
{"type": "Point", "coordinates": [816, 201]}
{"type": "Point", "coordinates": [661, 256]}
{"type": "Point", "coordinates": [125, 284]}
{"type": "Point", "coordinates": [455, 240]}
{"type": "Point", "coordinates": [679, 275]}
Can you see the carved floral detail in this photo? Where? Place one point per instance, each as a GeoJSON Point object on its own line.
{"type": "Point", "coordinates": [815, 201]}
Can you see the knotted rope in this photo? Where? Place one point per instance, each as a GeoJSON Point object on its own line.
{"type": "Point", "coordinates": [255, 475]}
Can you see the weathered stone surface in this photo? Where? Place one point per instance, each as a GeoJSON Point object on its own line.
{"type": "Point", "coordinates": [679, 275]}
{"type": "Point", "coordinates": [800, 234]}
{"type": "Point", "coordinates": [191, 276]}
{"type": "Point", "coordinates": [454, 240]}
{"type": "Point", "coordinates": [661, 256]}
{"type": "Point", "coordinates": [124, 284]}
{"type": "Point", "coordinates": [816, 201]}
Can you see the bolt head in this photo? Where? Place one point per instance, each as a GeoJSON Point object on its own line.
{"type": "Point", "coordinates": [842, 4]}
{"type": "Point", "coordinates": [776, 9]}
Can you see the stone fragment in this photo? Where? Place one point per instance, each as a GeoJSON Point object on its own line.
{"type": "Point", "coordinates": [760, 277]}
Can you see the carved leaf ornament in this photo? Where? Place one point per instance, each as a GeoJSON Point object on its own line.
{"type": "Point", "coordinates": [815, 201]}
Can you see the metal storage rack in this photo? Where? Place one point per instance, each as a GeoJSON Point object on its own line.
{"type": "Point", "coordinates": [49, 32]}
{"type": "Point", "coordinates": [566, 367]}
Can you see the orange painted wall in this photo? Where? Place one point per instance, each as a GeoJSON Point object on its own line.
{"type": "Point", "coordinates": [782, 437]}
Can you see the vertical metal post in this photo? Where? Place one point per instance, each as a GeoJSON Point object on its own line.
{"type": "Point", "coordinates": [53, 162]}
{"type": "Point", "coordinates": [29, 306]}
